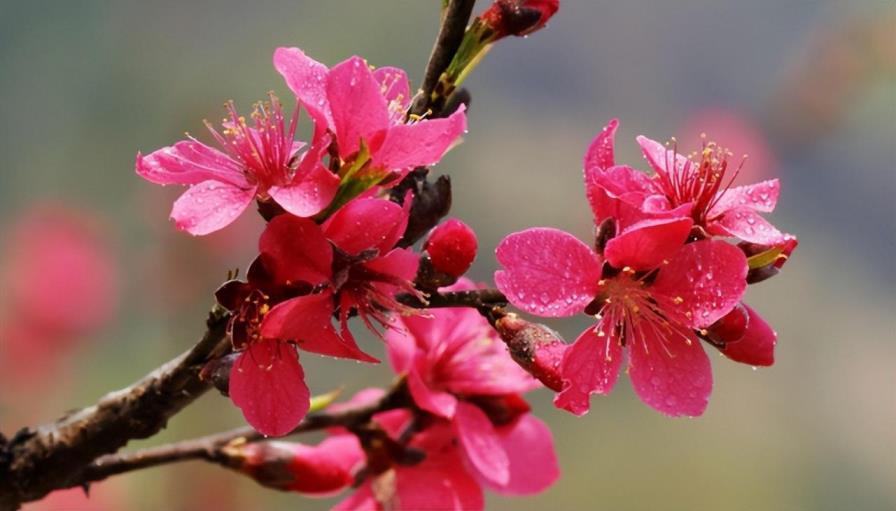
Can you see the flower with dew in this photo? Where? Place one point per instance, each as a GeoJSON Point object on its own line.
{"type": "Point", "coordinates": [365, 111]}
{"type": "Point", "coordinates": [698, 187]}
{"type": "Point", "coordinates": [355, 266]}
{"type": "Point", "coordinates": [259, 159]}
{"type": "Point", "coordinates": [654, 312]}
{"type": "Point", "coordinates": [267, 380]}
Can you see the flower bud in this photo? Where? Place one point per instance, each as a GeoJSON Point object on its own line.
{"type": "Point", "coordinates": [452, 247]}
{"type": "Point", "coordinates": [535, 347]}
{"type": "Point", "coordinates": [320, 470]}
{"type": "Point", "coordinates": [518, 17]}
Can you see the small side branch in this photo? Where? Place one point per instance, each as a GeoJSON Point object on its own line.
{"type": "Point", "coordinates": [454, 23]}
{"type": "Point", "coordinates": [212, 448]}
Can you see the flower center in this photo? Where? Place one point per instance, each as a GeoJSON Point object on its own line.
{"type": "Point", "coordinates": [264, 145]}
{"type": "Point", "coordinates": [700, 182]}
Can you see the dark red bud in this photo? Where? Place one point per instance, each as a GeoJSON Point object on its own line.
{"type": "Point", "coordinates": [518, 17]}
{"type": "Point", "coordinates": [535, 347]}
{"type": "Point", "coordinates": [452, 247]}
{"type": "Point", "coordinates": [502, 409]}
{"type": "Point", "coordinates": [731, 328]}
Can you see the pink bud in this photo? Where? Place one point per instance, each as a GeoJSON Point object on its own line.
{"type": "Point", "coordinates": [313, 470]}
{"type": "Point", "coordinates": [535, 347]}
{"type": "Point", "coordinates": [519, 17]}
{"type": "Point", "coordinates": [452, 247]}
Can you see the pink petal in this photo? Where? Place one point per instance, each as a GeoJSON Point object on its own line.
{"type": "Point", "coordinates": [307, 79]}
{"type": "Point", "coordinates": [671, 374]}
{"type": "Point", "coordinates": [268, 385]}
{"type": "Point", "coordinates": [421, 143]}
{"type": "Point", "coordinates": [646, 244]}
{"type": "Point", "coordinates": [438, 402]}
{"type": "Point", "coordinates": [400, 263]}
{"type": "Point", "coordinates": [590, 366]}
{"type": "Point", "coordinates": [618, 192]}
{"type": "Point", "coordinates": [599, 155]}
{"type": "Point", "coordinates": [357, 104]}
{"type": "Point", "coordinates": [308, 196]}
{"type": "Point", "coordinates": [530, 450]}
{"type": "Point", "coordinates": [307, 320]}
{"type": "Point", "coordinates": [748, 225]}
{"type": "Point", "coordinates": [757, 345]}
{"type": "Point", "coordinates": [189, 162]}
{"type": "Point", "coordinates": [758, 197]}
{"type": "Point", "coordinates": [401, 348]}
{"type": "Point", "coordinates": [661, 159]}
{"type": "Point", "coordinates": [481, 445]}
{"type": "Point", "coordinates": [439, 483]}
{"type": "Point", "coordinates": [479, 363]}
{"type": "Point", "coordinates": [365, 224]}
{"type": "Point", "coordinates": [547, 272]}
{"type": "Point", "coordinates": [703, 282]}
{"type": "Point", "coordinates": [396, 89]}
{"type": "Point", "coordinates": [295, 250]}
{"type": "Point", "coordinates": [210, 206]}
{"type": "Point", "coordinates": [327, 468]}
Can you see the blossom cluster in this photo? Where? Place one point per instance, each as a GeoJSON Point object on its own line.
{"type": "Point", "coordinates": [660, 277]}
{"type": "Point", "coordinates": [674, 251]}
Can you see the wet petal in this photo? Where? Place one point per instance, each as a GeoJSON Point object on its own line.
{"type": "Point", "coordinates": [189, 162]}
{"type": "Point", "coordinates": [547, 272]}
{"type": "Point", "coordinates": [646, 244]}
{"type": "Point", "coordinates": [702, 282]}
{"type": "Point", "coordinates": [748, 225]}
{"type": "Point", "coordinates": [758, 197]}
{"type": "Point", "coordinates": [590, 366]}
{"type": "Point", "coordinates": [308, 196]}
{"type": "Point", "coordinates": [295, 250]}
{"type": "Point", "coordinates": [210, 206]}
{"type": "Point", "coordinates": [365, 224]}
{"type": "Point", "coordinates": [307, 320]}
{"type": "Point", "coordinates": [421, 143]}
{"type": "Point", "coordinates": [599, 155]}
{"type": "Point", "coordinates": [661, 159]}
{"type": "Point", "coordinates": [439, 483]}
{"type": "Point", "coordinates": [357, 104]}
{"type": "Point", "coordinates": [307, 79]}
{"type": "Point", "coordinates": [669, 372]}
{"type": "Point", "coordinates": [268, 385]}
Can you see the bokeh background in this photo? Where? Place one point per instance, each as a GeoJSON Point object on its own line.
{"type": "Point", "coordinates": [806, 87]}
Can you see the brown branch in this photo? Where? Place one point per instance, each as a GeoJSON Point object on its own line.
{"type": "Point", "coordinates": [476, 298]}
{"type": "Point", "coordinates": [212, 448]}
{"type": "Point", "coordinates": [49, 457]}
{"type": "Point", "coordinates": [454, 23]}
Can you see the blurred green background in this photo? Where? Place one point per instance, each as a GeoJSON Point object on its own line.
{"type": "Point", "coordinates": [807, 87]}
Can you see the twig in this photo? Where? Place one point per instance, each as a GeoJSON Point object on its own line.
{"type": "Point", "coordinates": [211, 448]}
{"type": "Point", "coordinates": [51, 456]}
{"type": "Point", "coordinates": [454, 24]}
{"type": "Point", "coordinates": [476, 298]}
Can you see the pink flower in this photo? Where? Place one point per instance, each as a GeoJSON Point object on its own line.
{"type": "Point", "coordinates": [683, 187]}
{"type": "Point", "coordinates": [259, 159]}
{"type": "Point", "coordinates": [432, 470]}
{"type": "Point", "coordinates": [360, 106]}
{"type": "Point", "coordinates": [458, 369]}
{"type": "Point", "coordinates": [649, 310]}
{"type": "Point", "coordinates": [357, 269]}
{"type": "Point", "coordinates": [304, 274]}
